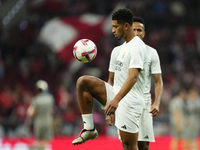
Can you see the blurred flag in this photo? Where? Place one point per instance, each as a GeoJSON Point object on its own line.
{"type": "Point", "coordinates": [60, 34]}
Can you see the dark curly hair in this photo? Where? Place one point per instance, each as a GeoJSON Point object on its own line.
{"type": "Point", "coordinates": [138, 19]}
{"type": "Point", "coordinates": [123, 15]}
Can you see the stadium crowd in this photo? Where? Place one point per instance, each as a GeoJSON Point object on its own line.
{"type": "Point", "coordinates": [172, 27]}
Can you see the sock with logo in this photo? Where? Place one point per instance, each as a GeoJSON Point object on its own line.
{"type": "Point", "coordinates": [88, 121]}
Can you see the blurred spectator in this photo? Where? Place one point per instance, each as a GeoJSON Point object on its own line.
{"type": "Point", "coordinates": [192, 119]}
{"type": "Point", "coordinates": [7, 115]}
{"type": "Point", "coordinates": [41, 111]}
{"type": "Point", "coordinates": [177, 118]}
{"type": "Point", "coordinates": [62, 97]}
{"type": "Point", "coordinates": [21, 107]}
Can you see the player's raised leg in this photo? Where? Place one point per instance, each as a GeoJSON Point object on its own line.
{"type": "Point", "coordinates": [89, 87]}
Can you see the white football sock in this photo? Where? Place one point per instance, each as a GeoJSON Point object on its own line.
{"type": "Point", "coordinates": [88, 121]}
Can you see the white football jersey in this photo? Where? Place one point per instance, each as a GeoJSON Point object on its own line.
{"type": "Point", "coordinates": [129, 55]}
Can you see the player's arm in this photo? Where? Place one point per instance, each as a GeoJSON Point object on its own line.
{"type": "Point", "coordinates": [110, 119]}
{"type": "Point", "coordinates": [158, 93]}
{"type": "Point", "coordinates": [31, 112]}
{"type": "Point", "coordinates": [128, 84]}
{"type": "Point", "coordinates": [111, 78]}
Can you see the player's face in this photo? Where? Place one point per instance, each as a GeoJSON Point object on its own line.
{"type": "Point", "coordinates": [117, 29]}
{"type": "Point", "coordinates": [139, 29]}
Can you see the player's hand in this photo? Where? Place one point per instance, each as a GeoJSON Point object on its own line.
{"type": "Point", "coordinates": [110, 119]}
{"type": "Point", "coordinates": [111, 107]}
{"type": "Point", "coordinates": [154, 109]}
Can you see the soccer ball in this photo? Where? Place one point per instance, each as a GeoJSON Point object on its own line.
{"type": "Point", "coordinates": [85, 50]}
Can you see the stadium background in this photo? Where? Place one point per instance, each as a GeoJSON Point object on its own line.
{"type": "Point", "coordinates": [36, 41]}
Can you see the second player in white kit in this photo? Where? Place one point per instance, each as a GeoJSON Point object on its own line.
{"type": "Point", "coordinates": [146, 133]}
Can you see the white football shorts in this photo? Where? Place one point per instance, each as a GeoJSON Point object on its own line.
{"type": "Point", "coordinates": [109, 93]}
{"type": "Point", "coordinates": [126, 116]}
{"type": "Point", "coordinates": [146, 132]}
